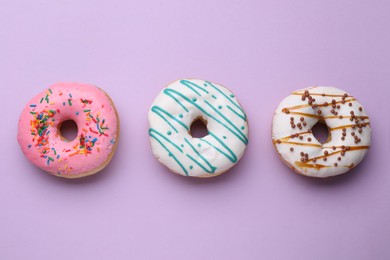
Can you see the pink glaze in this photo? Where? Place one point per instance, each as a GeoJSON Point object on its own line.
{"type": "Point", "coordinates": [96, 119]}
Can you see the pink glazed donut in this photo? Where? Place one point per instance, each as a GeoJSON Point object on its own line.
{"type": "Point", "coordinates": [97, 121]}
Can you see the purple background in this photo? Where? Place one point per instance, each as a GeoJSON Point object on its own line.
{"type": "Point", "coordinates": [135, 208]}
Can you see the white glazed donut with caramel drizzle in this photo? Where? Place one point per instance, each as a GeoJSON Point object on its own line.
{"type": "Point", "coordinates": [347, 122]}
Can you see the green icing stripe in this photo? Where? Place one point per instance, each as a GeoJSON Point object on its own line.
{"type": "Point", "coordinates": [158, 110]}
{"type": "Point", "coordinates": [168, 91]}
{"type": "Point", "coordinates": [234, 103]}
{"type": "Point", "coordinates": [237, 133]}
{"type": "Point", "coordinates": [190, 85]}
{"type": "Point", "coordinates": [152, 132]}
{"type": "Point", "coordinates": [212, 168]}
{"type": "Point", "coordinates": [235, 112]}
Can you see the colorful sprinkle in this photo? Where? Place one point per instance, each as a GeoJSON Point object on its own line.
{"type": "Point", "coordinates": [41, 122]}
{"type": "Point", "coordinates": [85, 101]}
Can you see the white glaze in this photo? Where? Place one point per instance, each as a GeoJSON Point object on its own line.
{"type": "Point", "coordinates": [171, 116]}
{"type": "Point", "coordinates": [282, 131]}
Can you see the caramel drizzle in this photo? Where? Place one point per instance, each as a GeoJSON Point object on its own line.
{"type": "Point", "coordinates": [318, 94]}
{"type": "Point", "coordinates": [331, 147]}
{"type": "Point", "coordinates": [346, 126]}
{"type": "Point", "coordinates": [352, 148]}
{"type": "Point", "coordinates": [303, 114]}
{"type": "Point", "coordinates": [302, 144]}
{"type": "Point", "coordinates": [323, 105]}
{"type": "Point", "coordinates": [319, 166]}
{"type": "Point", "coordinates": [306, 89]}
{"type": "Point", "coordinates": [306, 165]}
{"type": "Point", "coordinates": [330, 117]}
{"type": "Point", "coordinates": [318, 105]}
{"type": "Point", "coordinates": [324, 117]}
{"type": "Point", "coordinates": [289, 137]}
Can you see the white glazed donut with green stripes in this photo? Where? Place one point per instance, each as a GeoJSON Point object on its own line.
{"type": "Point", "coordinates": [170, 118]}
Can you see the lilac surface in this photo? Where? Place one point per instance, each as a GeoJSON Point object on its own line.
{"type": "Point", "coordinates": [135, 208]}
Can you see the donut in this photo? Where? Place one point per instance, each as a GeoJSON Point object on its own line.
{"type": "Point", "coordinates": [348, 127]}
{"type": "Point", "coordinates": [93, 111]}
{"type": "Point", "coordinates": [177, 107]}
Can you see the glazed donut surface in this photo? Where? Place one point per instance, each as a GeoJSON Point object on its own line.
{"type": "Point", "coordinates": [348, 125]}
{"type": "Point", "coordinates": [170, 118]}
{"type": "Point", "coordinates": [94, 113]}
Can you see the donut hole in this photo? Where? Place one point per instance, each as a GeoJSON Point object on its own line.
{"type": "Point", "coordinates": [321, 132]}
{"type": "Point", "coordinates": [68, 130]}
{"type": "Point", "coordinates": [198, 128]}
